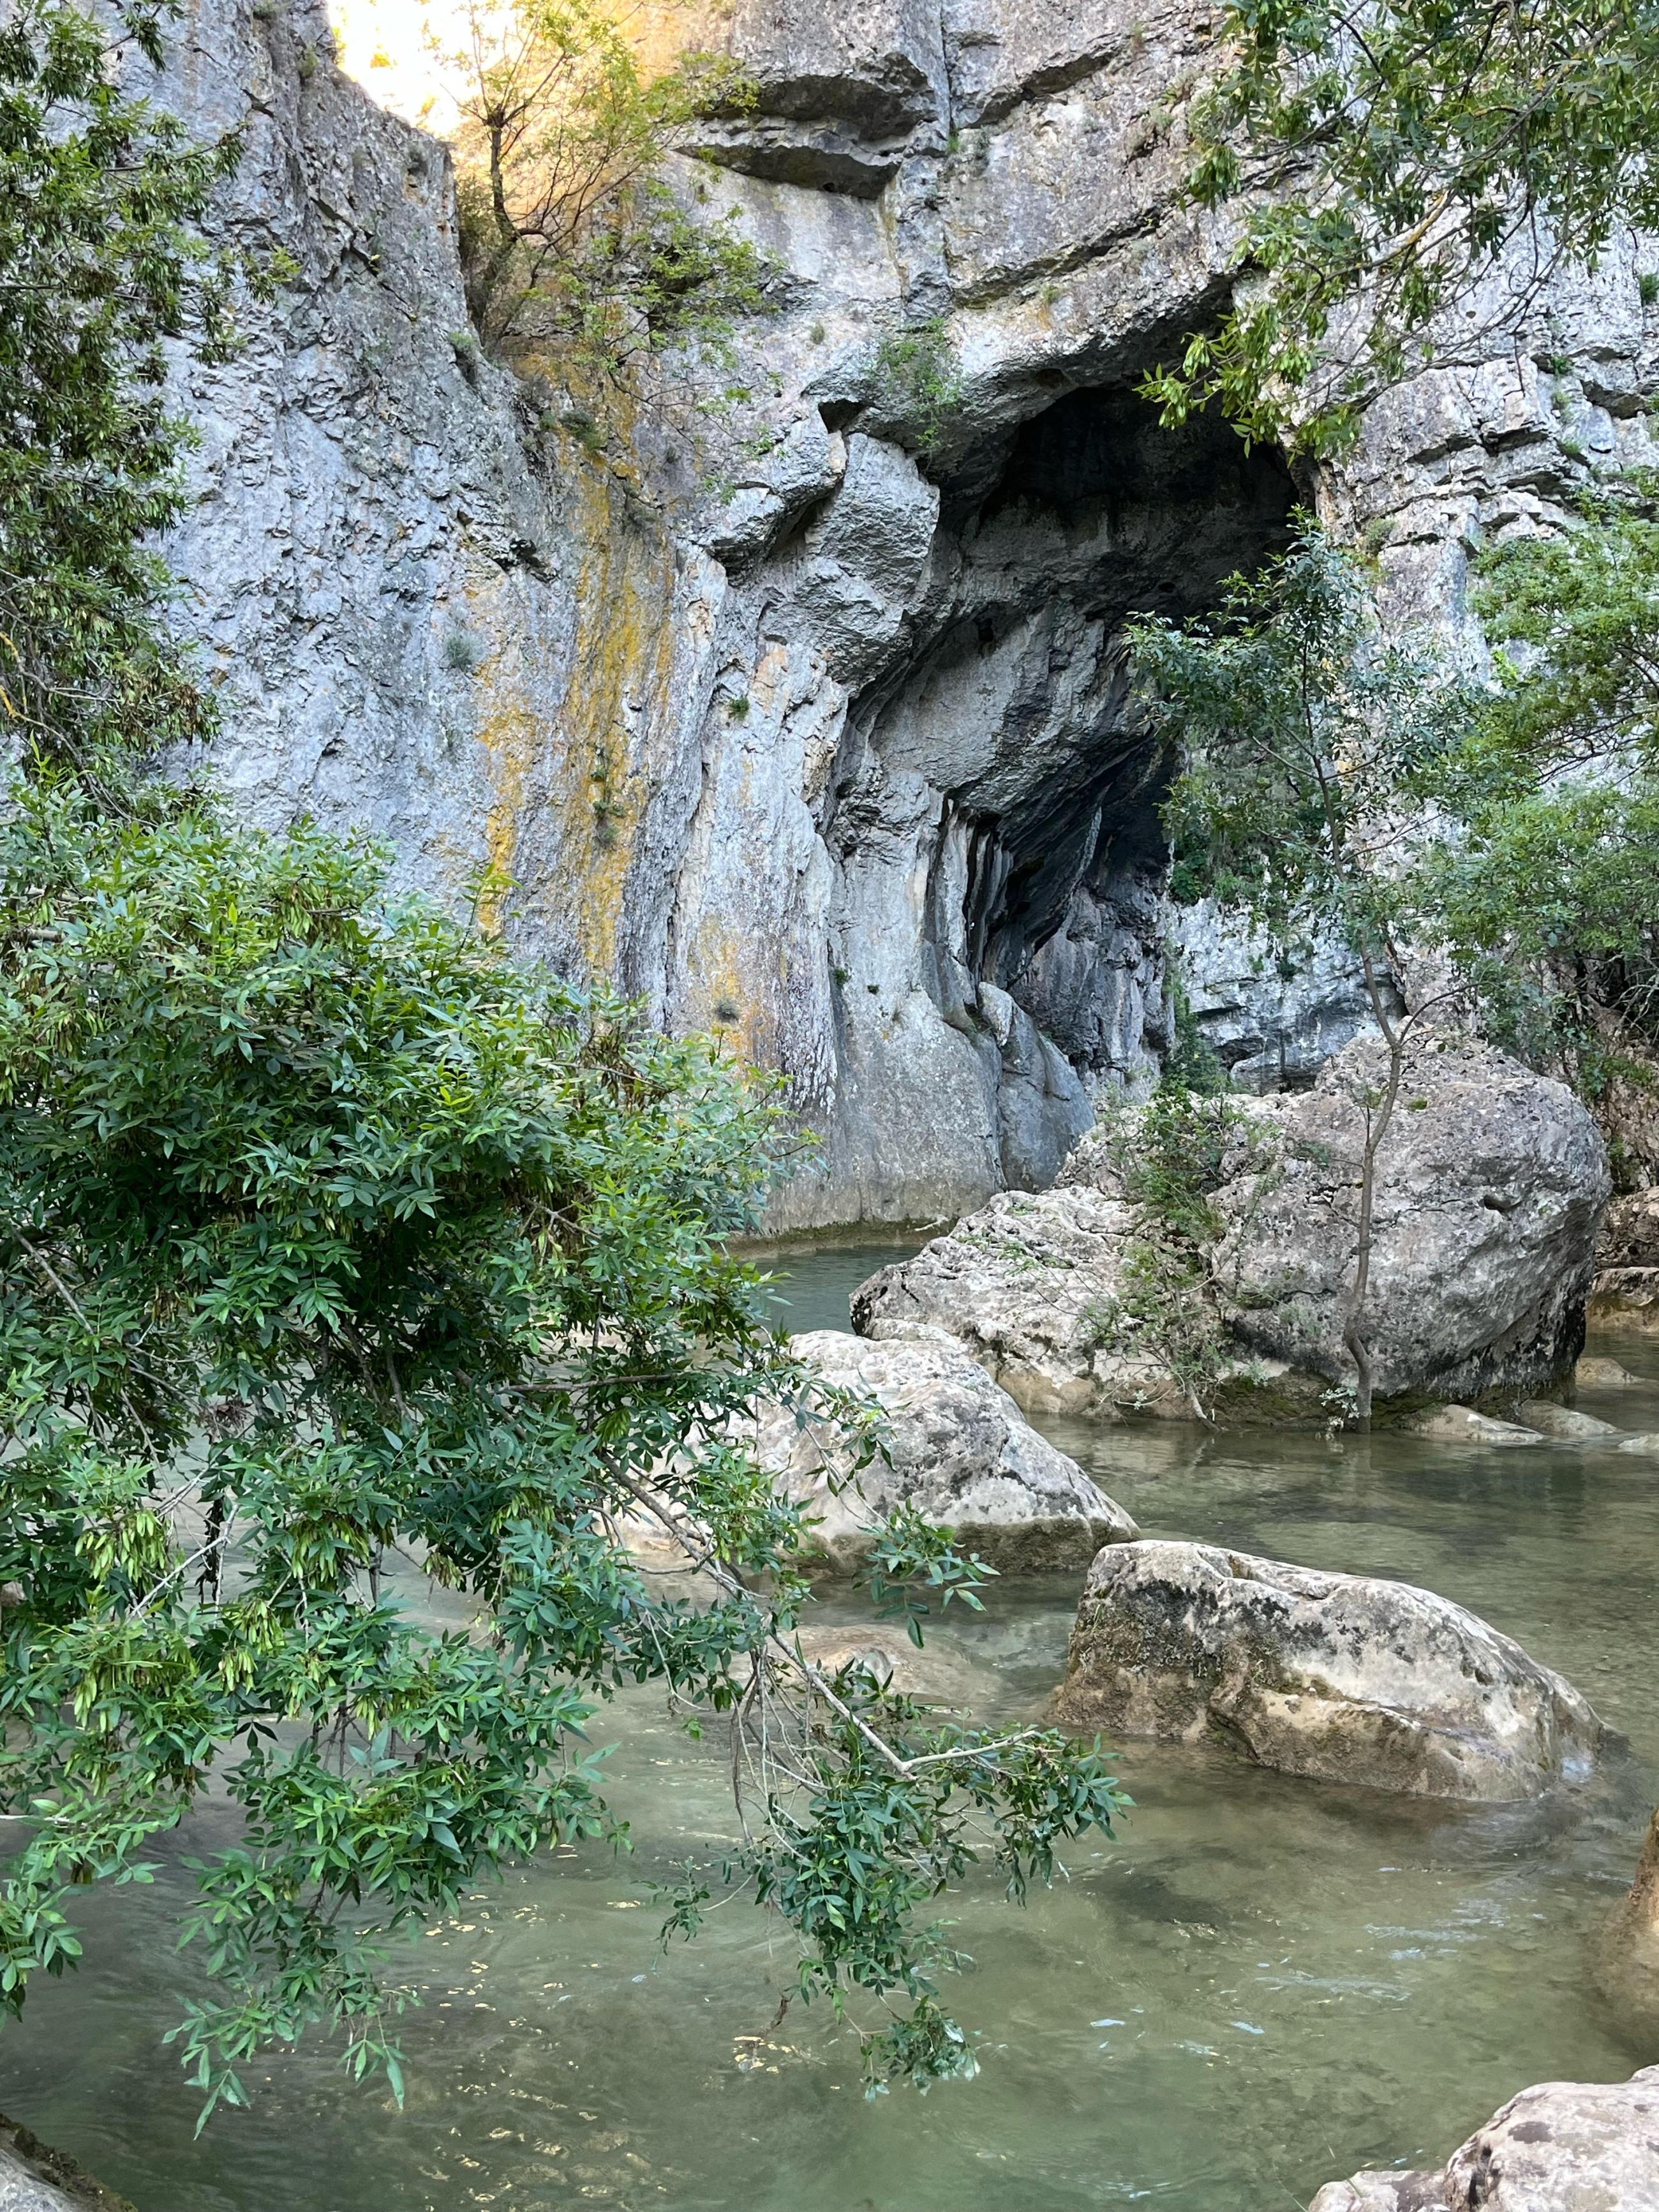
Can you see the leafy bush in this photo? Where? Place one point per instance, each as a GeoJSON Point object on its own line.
{"type": "Point", "coordinates": [343, 1261]}
{"type": "Point", "coordinates": [918, 381]}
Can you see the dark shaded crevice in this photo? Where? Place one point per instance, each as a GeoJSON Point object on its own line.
{"type": "Point", "coordinates": [1065, 526]}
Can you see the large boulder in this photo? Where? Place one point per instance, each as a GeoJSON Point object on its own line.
{"type": "Point", "coordinates": [1029, 1284]}
{"type": "Point", "coordinates": [1626, 1285]}
{"type": "Point", "coordinates": [1343, 1678]}
{"type": "Point", "coordinates": [1491, 1185]}
{"type": "Point", "coordinates": [958, 1449]}
{"type": "Point", "coordinates": [1022, 1284]}
{"type": "Point", "coordinates": [1561, 2147]}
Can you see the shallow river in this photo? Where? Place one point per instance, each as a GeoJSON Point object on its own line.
{"type": "Point", "coordinates": [1264, 1985]}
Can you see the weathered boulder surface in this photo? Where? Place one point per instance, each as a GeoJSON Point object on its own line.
{"type": "Point", "coordinates": [1342, 1677]}
{"type": "Point", "coordinates": [1565, 1423]}
{"type": "Point", "coordinates": [1560, 2147]}
{"type": "Point", "coordinates": [33, 2178]}
{"type": "Point", "coordinates": [1022, 1284]}
{"type": "Point", "coordinates": [1626, 1285]}
{"type": "Point", "coordinates": [1491, 1183]}
{"type": "Point", "coordinates": [960, 1451]}
{"type": "Point", "coordinates": [1490, 1188]}
{"type": "Point", "coordinates": [795, 718]}
{"type": "Point", "coordinates": [1463, 1425]}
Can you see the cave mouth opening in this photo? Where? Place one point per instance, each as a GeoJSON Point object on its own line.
{"type": "Point", "coordinates": [1050, 862]}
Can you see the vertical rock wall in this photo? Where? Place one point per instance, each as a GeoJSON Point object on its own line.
{"type": "Point", "coordinates": [786, 725]}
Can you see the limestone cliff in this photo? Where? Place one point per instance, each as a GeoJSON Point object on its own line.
{"type": "Point", "coordinates": [786, 727]}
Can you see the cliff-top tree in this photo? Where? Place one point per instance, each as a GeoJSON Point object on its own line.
{"type": "Point", "coordinates": [342, 1260]}
{"type": "Point", "coordinates": [1383, 160]}
{"type": "Point", "coordinates": [570, 241]}
{"type": "Point", "coordinates": [1307, 741]}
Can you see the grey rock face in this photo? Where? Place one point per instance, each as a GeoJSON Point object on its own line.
{"type": "Point", "coordinates": [1340, 1678]}
{"type": "Point", "coordinates": [1270, 1030]}
{"type": "Point", "coordinates": [1491, 1185]}
{"type": "Point", "coordinates": [781, 724]}
{"type": "Point", "coordinates": [1561, 2147]}
{"type": "Point", "coordinates": [958, 1450]}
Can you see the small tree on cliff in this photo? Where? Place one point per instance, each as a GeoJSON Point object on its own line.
{"type": "Point", "coordinates": [1547, 894]}
{"type": "Point", "coordinates": [569, 239]}
{"type": "Point", "coordinates": [1306, 741]}
{"type": "Point", "coordinates": [341, 1260]}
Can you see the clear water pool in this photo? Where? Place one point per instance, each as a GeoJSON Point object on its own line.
{"type": "Point", "coordinates": [1267, 1984]}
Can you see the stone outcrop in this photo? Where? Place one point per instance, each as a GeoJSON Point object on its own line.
{"type": "Point", "coordinates": [1339, 1678]}
{"type": "Point", "coordinates": [1491, 1183]}
{"type": "Point", "coordinates": [1272, 1023]}
{"type": "Point", "coordinates": [35, 2178]}
{"type": "Point", "coordinates": [799, 721]}
{"type": "Point", "coordinates": [1561, 2147]}
{"type": "Point", "coordinates": [1626, 1285]}
{"type": "Point", "coordinates": [1490, 1188]}
{"type": "Point", "coordinates": [956, 1448]}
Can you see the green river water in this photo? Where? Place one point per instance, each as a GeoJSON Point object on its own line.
{"type": "Point", "coordinates": [1265, 1984]}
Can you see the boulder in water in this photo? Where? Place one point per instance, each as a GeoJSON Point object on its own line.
{"type": "Point", "coordinates": [1023, 1285]}
{"type": "Point", "coordinates": [1564, 1425]}
{"type": "Point", "coordinates": [1561, 2147]}
{"type": "Point", "coordinates": [1342, 1677]}
{"type": "Point", "coordinates": [960, 1451]}
{"type": "Point", "coordinates": [1461, 1425]}
{"type": "Point", "coordinates": [1491, 1184]}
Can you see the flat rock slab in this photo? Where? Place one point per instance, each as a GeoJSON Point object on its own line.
{"type": "Point", "coordinates": [1560, 2147]}
{"type": "Point", "coordinates": [958, 1450]}
{"type": "Point", "coordinates": [1341, 1678]}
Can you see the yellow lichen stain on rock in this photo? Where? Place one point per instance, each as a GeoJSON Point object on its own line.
{"type": "Point", "coordinates": [573, 741]}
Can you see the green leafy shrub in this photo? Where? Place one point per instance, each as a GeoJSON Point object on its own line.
{"type": "Point", "coordinates": [917, 380]}
{"type": "Point", "coordinates": [343, 1261]}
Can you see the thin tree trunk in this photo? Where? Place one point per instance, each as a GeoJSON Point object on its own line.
{"type": "Point", "coordinates": [1377, 1118]}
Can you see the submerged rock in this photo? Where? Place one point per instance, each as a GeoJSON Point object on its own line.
{"type": "Point", "coordinates": [1595, 1373]}
{"type": "Point", "coordinates": [1630, 1964]}
{"type": "Point", "coordinates": [1561, 2147]}
{"type": "Point", "coordinates": [1490, 1188]}
{"type": "Point", "coordinates": [1461, 1425]}
{"type": "Point", "coordinates": [1562, 1424]}
{"type": "Point", "coordinates": [1343, 1678]}
{"type": "Point", "coordinates": [35, 2178]}
{"type": "Point", "coordinates": [960, 1452]}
